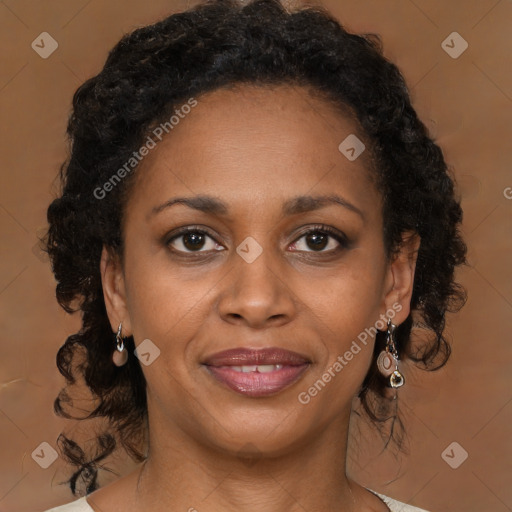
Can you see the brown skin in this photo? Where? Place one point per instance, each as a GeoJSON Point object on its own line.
{"type": "Point", "coordinates": [252, 148]}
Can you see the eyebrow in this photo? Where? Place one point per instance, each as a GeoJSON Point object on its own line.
{"type": "Point", "coordinates": [293, 206]}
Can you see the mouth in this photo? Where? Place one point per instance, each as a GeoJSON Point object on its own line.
{"type": "Point", "coordinates": [257, 373]}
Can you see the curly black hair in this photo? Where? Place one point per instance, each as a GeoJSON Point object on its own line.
{"type": "Point", "coordinates": [156, 69]}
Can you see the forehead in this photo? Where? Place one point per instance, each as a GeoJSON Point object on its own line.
{"type": "Point", "coordinates": [252, 143]}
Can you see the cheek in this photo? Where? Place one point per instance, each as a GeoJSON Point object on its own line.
{"type": "Point", "coordinates": [346, 308]}
{"type": "Point", "coordinates": [345, 312]}
{"type": "Point", "coordinates": [165, 305]}
{"type": "Point", "coordinates": [348, 300]}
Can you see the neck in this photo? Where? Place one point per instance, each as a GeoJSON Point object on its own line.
{"type": "Point", "coordinates": [183, 472]}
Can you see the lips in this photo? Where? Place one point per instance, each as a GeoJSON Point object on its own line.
{"type": "Point", "coordinates": [247, 357]}
{"type": "Point", "coordinates": [257, 373]}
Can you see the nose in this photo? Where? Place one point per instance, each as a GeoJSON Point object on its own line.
{"type": "Point", "coordinates": [256, 294]}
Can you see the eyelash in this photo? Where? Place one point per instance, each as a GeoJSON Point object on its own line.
{"type": "Point", "coordinates": [320, 228]}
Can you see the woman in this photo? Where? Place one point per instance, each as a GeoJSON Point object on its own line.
{"type": "Point", "coordinates": [253, 211]}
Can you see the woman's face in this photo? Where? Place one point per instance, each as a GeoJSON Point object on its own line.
{"type": "Point", "coordinates": [256, 279]}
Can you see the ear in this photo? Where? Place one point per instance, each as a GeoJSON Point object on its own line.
{"type": "Point", "coordinates": [112, 280]}
{"type": "Point", "coordinates": [400, 278]}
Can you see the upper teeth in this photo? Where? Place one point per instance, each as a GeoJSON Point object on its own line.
{"type": "Point", "coordinates": [262, 368]}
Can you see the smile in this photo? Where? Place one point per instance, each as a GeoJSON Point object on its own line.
{"type": "Point", "coordinates": [262, 368]}
{"type": "Point", "coordinates": [257, 380]}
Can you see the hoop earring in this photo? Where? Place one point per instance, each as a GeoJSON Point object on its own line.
{"type": "Point", "coordinates": [120, 355]}
{"type": "Point", "coordinates": [388, 359]}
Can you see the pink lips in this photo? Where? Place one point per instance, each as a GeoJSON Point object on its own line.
{"type": "Point", "coordinates": [225, 367]}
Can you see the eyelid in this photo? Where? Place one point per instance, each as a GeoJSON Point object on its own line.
{"type": "Point", "coordinates": [339, 236]}
{"type": "Point", "coordinates": [179, 232]}
{"type": "Point", "coordinates": [175, 233]}
{"type": "Point", "coordinates": [335, 233]}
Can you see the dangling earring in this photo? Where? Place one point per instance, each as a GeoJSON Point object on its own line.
{"type": "Point", "coordinates": [120, 355]}
{"type": "Point", "coordinates": [388, 359]}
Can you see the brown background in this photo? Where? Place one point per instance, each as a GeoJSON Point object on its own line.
{"type": "Point", "coordinates": [466, 103]}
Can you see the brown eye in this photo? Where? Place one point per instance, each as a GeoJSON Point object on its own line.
{"type": "Point", "coordinates": [192, 240]}
{"type": "Point", "coordinates": [318, 239]}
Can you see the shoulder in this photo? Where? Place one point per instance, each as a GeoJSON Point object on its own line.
{"type": "Point", "coordinates": [79, 505]}
{"type": "Point", "coordinates": [397, 506]}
